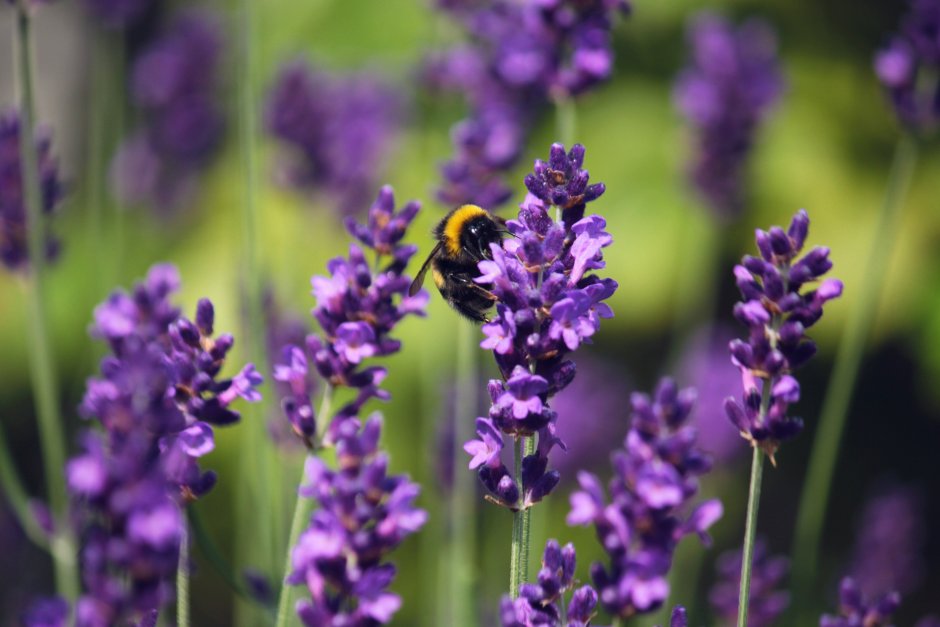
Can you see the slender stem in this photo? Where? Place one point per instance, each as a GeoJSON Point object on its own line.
{"type": "Point", "coordinates": [211, 552]}
{"type": "Point", "coordinates": [260, 533]}
{"type": "Point", "coordinates": [182, 580]}
{"type": "Point", "coordinates": [16, 494]}
{"type": "Point", "coordinates": [41, 364]}
{"type": "Point", "coordinates": [519, 556]}
{"type": "Point", "coordinates": [566, 120]}
{"type": "Point", "coordinates": [818, 482]}
{"type": "Point", "coordinates": [301, 515]}
{"type": "Point", "coordinates": [750, 531]}
{"type": "Point", "coordinates": [463, 505]}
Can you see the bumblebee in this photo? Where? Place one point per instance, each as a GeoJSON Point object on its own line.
{"type": "Point", "coordinates": [463, 240]}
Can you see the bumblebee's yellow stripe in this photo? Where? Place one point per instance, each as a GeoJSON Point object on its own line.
{"type": "Point", "coordinates": [455, 223]}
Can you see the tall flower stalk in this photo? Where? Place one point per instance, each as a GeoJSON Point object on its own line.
{"type": "Point", "coordinates": [548, 305]}
{"type": "Point", "coordinates": [777, 313]}
{"type": "Point", "coordinates": [41, 363]}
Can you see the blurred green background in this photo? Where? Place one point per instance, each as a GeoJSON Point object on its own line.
{"type": "Point", "coordinates": [827, 148]}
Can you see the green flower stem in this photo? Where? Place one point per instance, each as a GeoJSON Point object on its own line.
{"type": "Point", "coordinates": [182, 580]}
{"type": "Point", "coordinates": [211, 552]}
{"type": "Point", "coordinates": [519, 555]}
{"type": "Point", "coordinates": [41, 364]}
{"type": "Point", "coordinates": [750, 529]}
{"type": "Point", "coordinates": [818, 483]}
{"type": "Point", "coordinates": [566, 120]}
{"type": "Point", "coordinates": [463, 499]}
{"type": "Point", "coordinates": [261, 504]}
{"type": "Point", "coordinates": [16, 494]}
{"type": "Point", "coordinates": [302, 507]}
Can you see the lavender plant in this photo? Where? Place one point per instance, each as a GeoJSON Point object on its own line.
{"type": "Point", "coordinates": [364, 513]}
{"type": "Point", "coordinates": [653, 486]}
{"type": "Point", "coordinates": [522, 56]}
{"type": "Point", "coordinates": [854, 609]}
{"type": "Point", "coordinates": [336, 128]}
{"type": "Point", "coordinates": [548, 306]}
{"type": "Point", "coordinates": [767, 603]}
{"type": "Point", "coordinates": [173, 83]}
{"type": "Point", "coordinates": [157, 399]}
{"type": "Point", "coordinates": [543, 603]}
{"type": "Point", "coordinates": [726, 93]}
{"type": "Point", "coordinates": [777, 313]}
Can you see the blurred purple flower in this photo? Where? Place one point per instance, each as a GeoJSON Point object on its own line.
{"type": "Point", "coordinates": [14, 253]}
{"type": "Point", "coordinates": [909, 67]}
{"type": "Point", "coordinates": [654, 483]}
{"type": "Point", "coordinates": [363, 513]}
{"type": "Point", "coordinates": [732, 82]}
{"type": "Point", "coordinates": [337, 128]}
{"type": "Point", "coordinates": [173, 83]}
{"type": "Point", "coordinates": [777, 315]}
{"type": "Point", "coordinates": [678, 618]}
{"type": "Point", "coordinates": [765, 604]}
{"type": "Point", "coordinates": [855, 610]}
{"type": "Point", "coordinates": [358, 306]}
{"type": "Point", "coordinates": [158, 394]}
{"type": "Point", "coordinates": [546, 309]}
{"type": "Point", "coordinates": [889, 546]}
{"type": "Point", "coordinates": [118, 13]}
{"type": "Point", "coordinates": [46, 612]}
{"type": "Point", "coordinates": [542, 603]}
{"type": "Point", "coordinates": [522, 56]}
{"type": "Point", "coordinates": [705, 367]}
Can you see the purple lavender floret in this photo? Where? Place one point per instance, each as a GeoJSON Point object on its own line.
{"type": "Point", "coordinates": [547, 307]}
{"type": "Point", "coordinates": [855, 610]}
{"type": "Point", "coordinates": [336, 128]}
{"type": "Point", "coordinates": [777, 313]}
{"type": "Point", "coordinates": [909, 67]}
{"type": "Point", "coordinates": [541, 603]}
{"type": "Point", "coordinates": [358, 307]}
{"type": "Point", "coordinates": [889, 546]}
{"type": "Point", "coordinates": [731, 84]}
{"type": "Point", "coordinates": [522, 56]}
{"type": "Point", "coordinates": [159, 395]}
{"type": "Point", "coordinates": [678, 618]}
{"type": "Point", "coordinates": [766, 602]}
{"type": "Point", "coordinates": [14, 253]}
{"type": "Point", "coordinates": [363, 513]}
{"type": "Point", "coordinates": [118, 14]}
{"type": "Point", "coordinates": [173, 83]}
{"type": "Point", "coordinates": [46, 612]}
{"type": "Point", "coordinates": [654, 484]}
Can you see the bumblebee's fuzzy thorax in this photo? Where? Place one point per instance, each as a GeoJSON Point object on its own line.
{"type": "Point", "coordinates": [452, 229]}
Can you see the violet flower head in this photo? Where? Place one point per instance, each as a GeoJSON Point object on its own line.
{"type": "Point", "coordinates": [541, 603]}
{"type": "Point", "coordinates": [14, 253]}
{"type": "Point", "coordinates": [173, 83]}
{"type": "Point", "coordinates": [335, 128]}
{"type": "Point", "coordinates": [889, 547]}
{"type": "Point", "coordinates": [652, 490]}
{"type": "Point", "coordinates": [522, 56]}
{"type": "Point", "coordinates": [766, 602]}
{"type": "Point", "coordinates": [678, 617]}
{"type": "Point", "coordinates": [909, 67]}
{"type": "Point", "coordinates": [118, 14]}
{"type": "Point", "coordinates": [358, 306]}
{"type": "Point", "coordinates": [777, 313]}
{"type": "Point", "coordinates": [854, 609]}
{"type": "Point", "coordinates": [548, 305]}
{"type": "Point", "coordinates": [46, 612]}
{"type": "Point", "coordinates": [363, 513]}
{"type": "Point", "coordinates": [726, 92]}
{"type": "Point", "coordinates": [159, 394]}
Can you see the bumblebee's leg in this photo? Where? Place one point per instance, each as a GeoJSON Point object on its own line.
{"type": "Point", "coordinates": [466, 281]}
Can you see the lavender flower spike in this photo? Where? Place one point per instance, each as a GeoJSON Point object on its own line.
{"type": "Point", "coordinates": [777, 313]}
{"type": "Point", "coordinates": [13, 234]}
{"type": "Point", "coordinates": [909, 67]}
{"type": "Point", "coordinates": [550, 302]}
{"type": "Point", "coordinates": [855, 610]}
{"type": "Point", "coordinates": [726, 92]}
{"type": "Point", "coordinates": [654, 483]}
{"type": "Point", "coordinates": [363, 514]}
{"type": "Point", "coordinates": [540, 604]}
{"type": "Point", "coordinates": [765, 603]}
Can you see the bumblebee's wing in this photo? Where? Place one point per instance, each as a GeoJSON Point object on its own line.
{"type": "Point", "coordinates": [419, 279]}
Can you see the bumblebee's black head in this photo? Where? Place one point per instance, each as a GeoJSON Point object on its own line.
{"type": "Point", "coordinates": [468, 231]}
